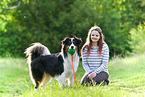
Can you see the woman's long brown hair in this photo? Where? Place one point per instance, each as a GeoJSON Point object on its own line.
{"type": "Point", "coordinates": [99, 43]}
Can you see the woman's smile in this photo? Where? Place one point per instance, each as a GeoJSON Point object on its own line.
{"type": "Point", "coordinates": [95, 36]}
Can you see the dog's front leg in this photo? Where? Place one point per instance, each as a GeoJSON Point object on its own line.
{"type": "Point", "coordinates": [62, 80]}
{"type": "Point", "coordinates": [70, 81]}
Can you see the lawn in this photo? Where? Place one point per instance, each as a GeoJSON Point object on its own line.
{"type": "Point", "coordinates": [127, 79]}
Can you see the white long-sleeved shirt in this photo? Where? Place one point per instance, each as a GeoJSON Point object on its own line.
{"type": "Point", "coordinates": [94, 62]}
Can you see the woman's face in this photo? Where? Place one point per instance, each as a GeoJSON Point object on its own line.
{"type": "Point", "coordinates": [95, 36]}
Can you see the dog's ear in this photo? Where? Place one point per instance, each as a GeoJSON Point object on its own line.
{"type": "Point", "coordinates": [79, 40]}
{"type": "Point", "coordinates": [65, 40]}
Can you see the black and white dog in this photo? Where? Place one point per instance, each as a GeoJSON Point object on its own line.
{"type": "Point", "coordinates": [44, 66]}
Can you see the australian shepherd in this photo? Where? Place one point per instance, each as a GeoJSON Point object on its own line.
{"type": "Point", "coordinates": [43, 66]}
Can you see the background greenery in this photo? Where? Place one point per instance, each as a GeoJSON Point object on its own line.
{"type": "Point", "coordinates": [49, 21]}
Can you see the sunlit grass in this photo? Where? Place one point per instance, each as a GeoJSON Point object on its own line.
{"type": "Point", "coordinates": [127, 79]}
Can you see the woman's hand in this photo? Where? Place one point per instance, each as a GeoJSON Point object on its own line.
{"type": "Point", "coordinates": [92, 75]}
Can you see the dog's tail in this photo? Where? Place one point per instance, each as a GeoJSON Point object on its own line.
{"type": "Point", "coordinates": [36, 50]}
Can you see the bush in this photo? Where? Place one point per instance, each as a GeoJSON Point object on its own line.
{"type": "Point", "coordinates": [137, 41]}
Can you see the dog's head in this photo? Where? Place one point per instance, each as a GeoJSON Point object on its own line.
{"type": "Point", "coordinates": [71, 43]}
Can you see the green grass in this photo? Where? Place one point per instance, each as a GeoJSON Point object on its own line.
{"type": "Point", "coordinates": [127, 79]}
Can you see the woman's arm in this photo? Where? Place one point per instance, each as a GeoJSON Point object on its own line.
{"type": "Point", "coordinates": [105, 59]}
{"type": "Point", "coordinates": [85, 62]}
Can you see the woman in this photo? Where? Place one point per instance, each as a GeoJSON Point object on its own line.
{"type": "Point", "coordinates": [95, 56]}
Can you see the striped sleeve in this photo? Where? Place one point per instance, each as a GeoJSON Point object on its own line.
{"type": "Point", "coordinates": [85, 62]}
{"type": "Point", "coordinates": [105, 59]}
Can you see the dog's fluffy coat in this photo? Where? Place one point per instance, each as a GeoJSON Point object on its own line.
{"type": "Point", "coordinates": [44, 66]}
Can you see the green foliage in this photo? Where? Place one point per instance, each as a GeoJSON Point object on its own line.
{"type": "Point", "coordinates": [4, 18]}
{"type": "Point", "coordinates": [6, 36]}
{"type": "Point", "coordinates": [49, 21]}
{"type": "Point", "coordinates": [138, 39]}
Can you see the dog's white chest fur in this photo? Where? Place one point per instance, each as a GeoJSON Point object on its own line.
{"type": "Point", "coordinates": [68, 70]}
{"type": "Point", "coordinates": [68, 63]}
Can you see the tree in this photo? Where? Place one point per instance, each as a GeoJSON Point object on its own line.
{"type": "Point", "coordinates": [49, 21]}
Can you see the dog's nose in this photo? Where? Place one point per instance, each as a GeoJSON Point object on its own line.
{"type": "Point", "coordinates": [72, 47]}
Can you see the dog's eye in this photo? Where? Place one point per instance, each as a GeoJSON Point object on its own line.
{"type": "Point", "coordinates": [69, 42]}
